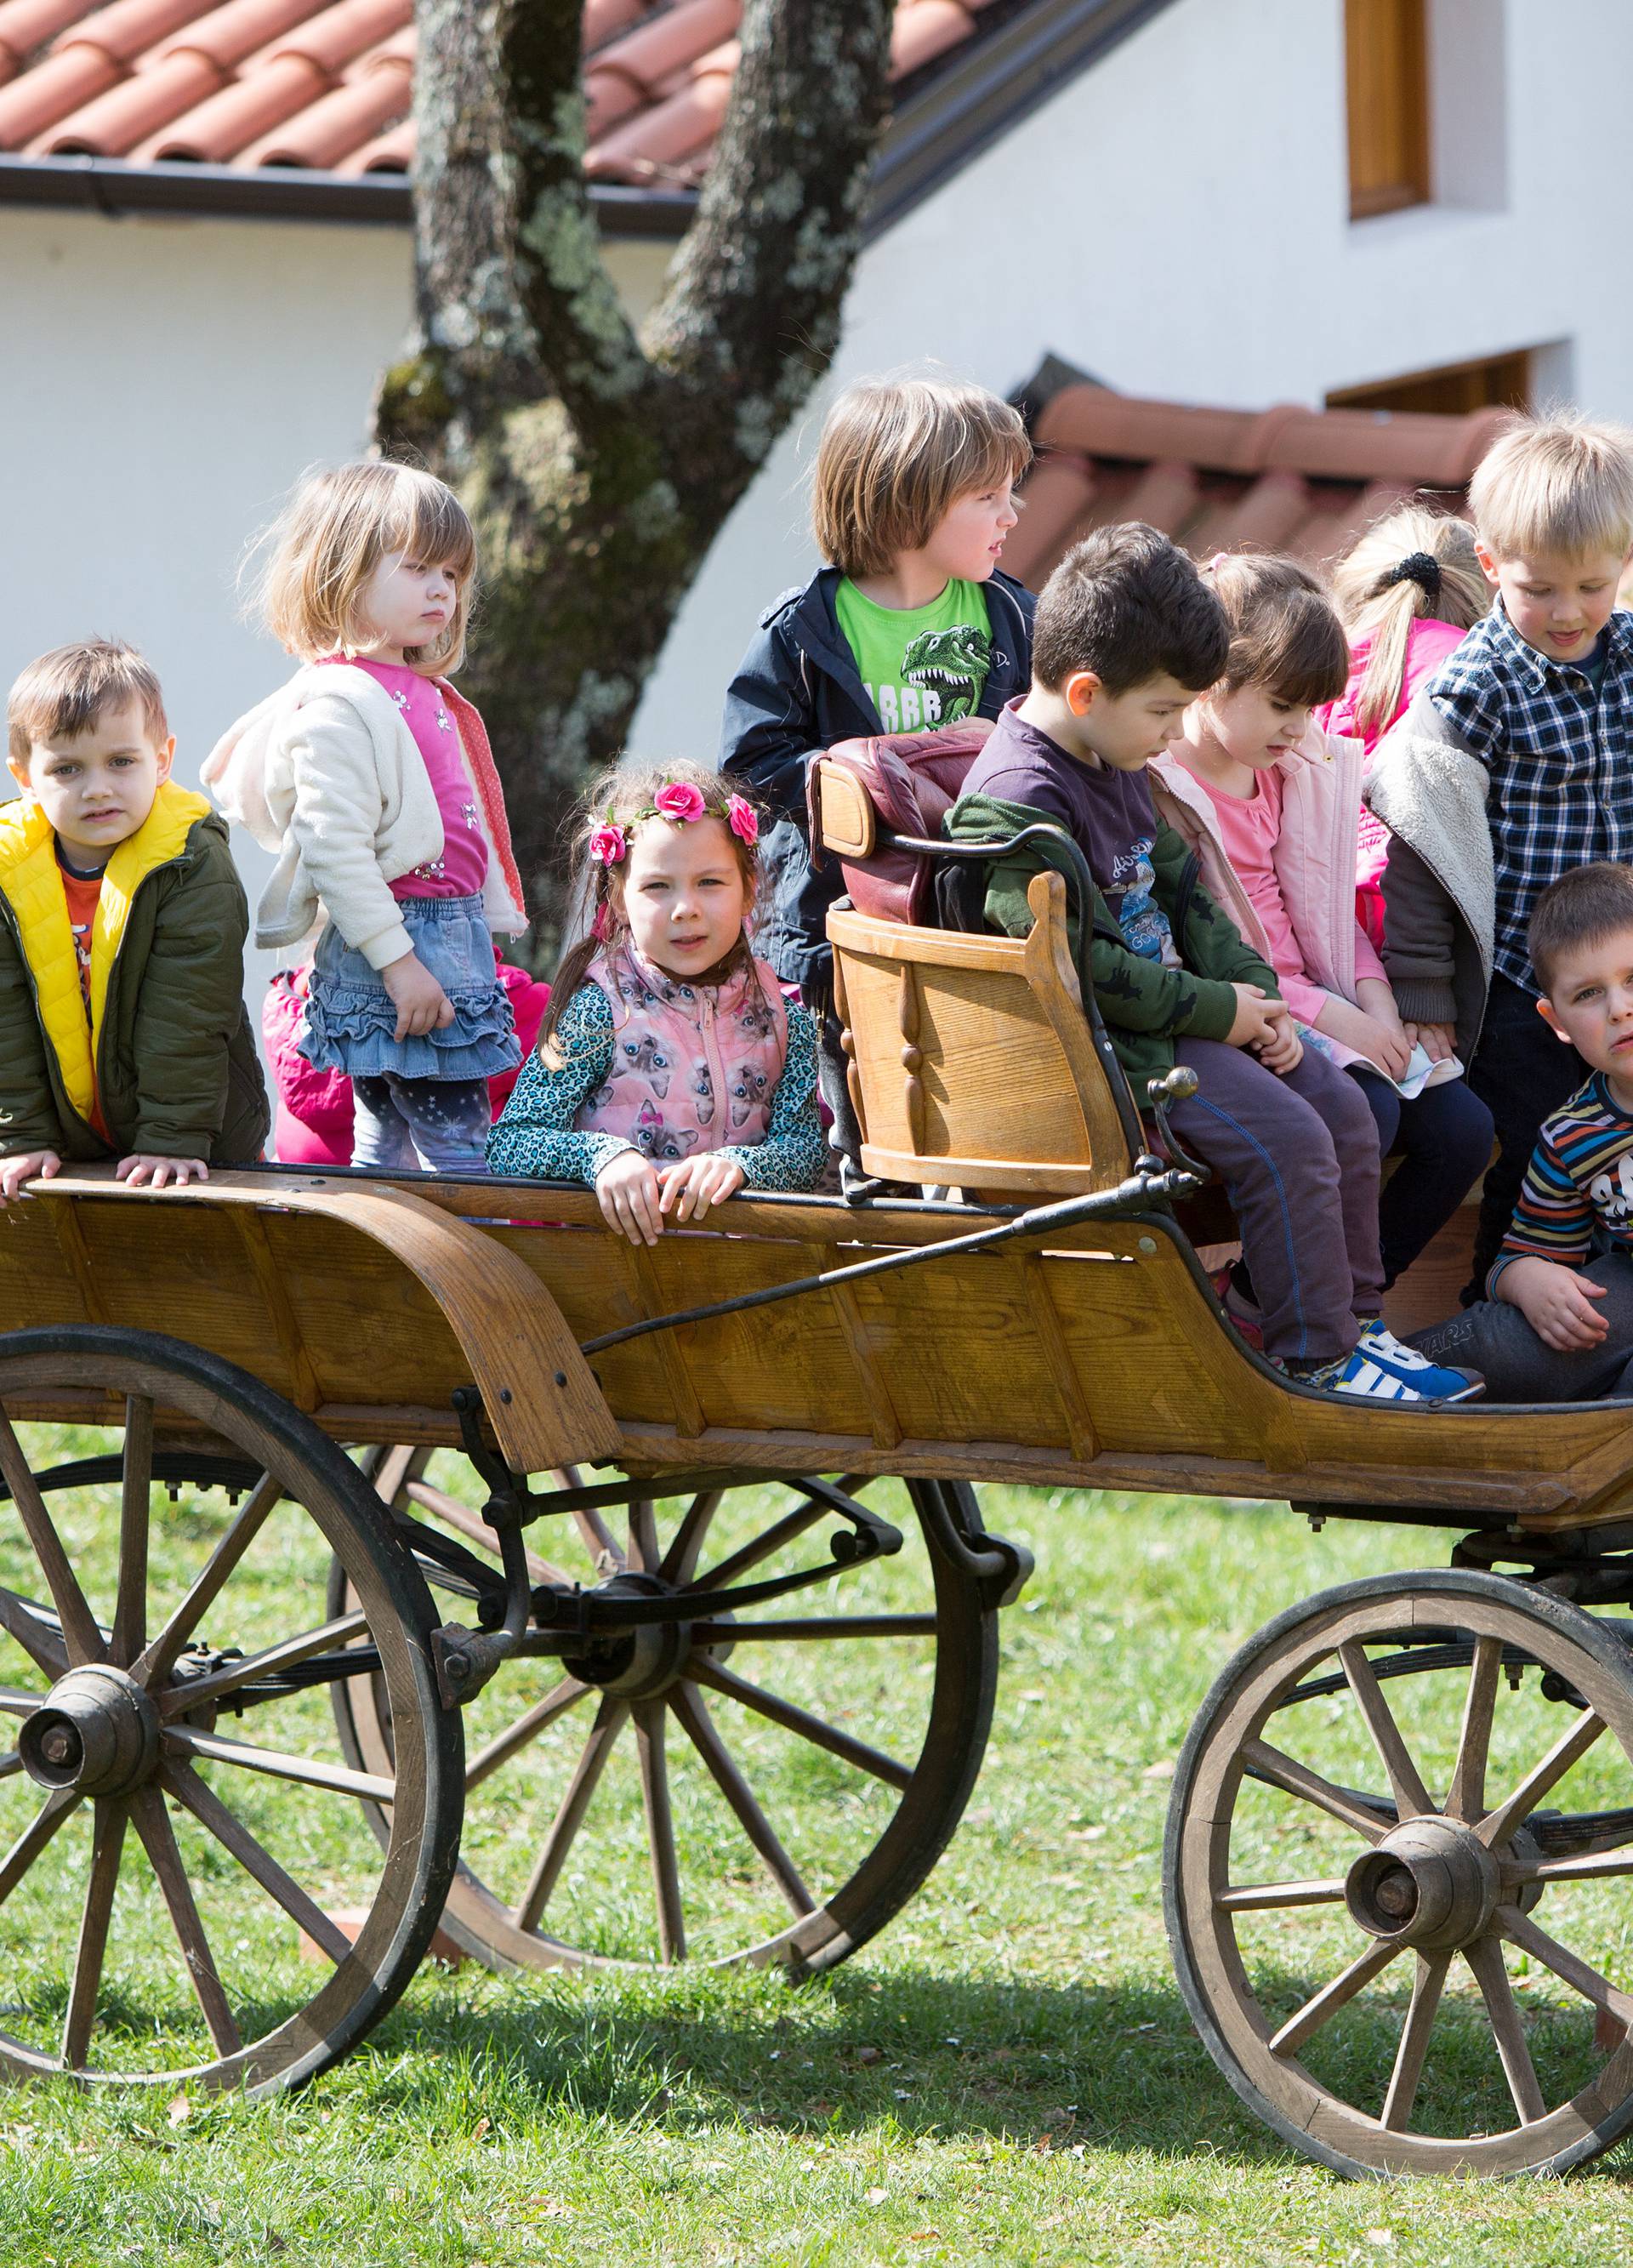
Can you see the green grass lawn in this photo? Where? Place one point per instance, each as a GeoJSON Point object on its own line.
{"type": "Point", "coordinates": [1007, 2075]}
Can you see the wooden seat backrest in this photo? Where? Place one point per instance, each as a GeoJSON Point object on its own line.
{"type": "Point", "coordinates": [970, 1058]}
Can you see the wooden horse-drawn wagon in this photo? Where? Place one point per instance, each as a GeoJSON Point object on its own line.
{"type": "Point", "coordinates": [702, 1664]}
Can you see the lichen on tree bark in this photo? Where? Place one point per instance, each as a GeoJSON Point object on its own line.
{"type": "Point", "coordinates": [598, 464]}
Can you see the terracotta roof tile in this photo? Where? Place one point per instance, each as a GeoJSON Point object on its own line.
{"type": "Point", "coordinates": [1285, 479]}
{"type": "Point", "coordinates": [237, 82]}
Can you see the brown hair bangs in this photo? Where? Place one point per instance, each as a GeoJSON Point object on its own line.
{"type": "Point", "coordinates": [1285, 634]}
{"type": "Point", "coordinates": [66, 691]}
{"type": "Point", "coordinates": [895, 455]}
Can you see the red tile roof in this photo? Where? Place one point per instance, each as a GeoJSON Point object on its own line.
{"type": "Point", "coordinates": [301, 83]}
{"type": "Point", "coordinates": [1304, 481]}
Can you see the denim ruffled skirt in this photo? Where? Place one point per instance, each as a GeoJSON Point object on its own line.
{"type": "Point", "coordinates": [351, 1020]}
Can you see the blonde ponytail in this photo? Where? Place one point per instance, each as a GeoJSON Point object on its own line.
{"type": "Point", "coordinates": [1415, 565]}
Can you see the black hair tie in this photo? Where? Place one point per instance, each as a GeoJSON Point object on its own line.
{"type": "Point", "coordinates": [1419, 567]}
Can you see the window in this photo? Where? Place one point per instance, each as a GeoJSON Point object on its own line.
{"type": "Point", "coordinates": [1504, 381]}
{"type": "Point", "coordinates": [1386, 68]}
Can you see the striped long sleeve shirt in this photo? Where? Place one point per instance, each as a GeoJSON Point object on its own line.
{"type": "Point", "coordinates": [1580, 1177]}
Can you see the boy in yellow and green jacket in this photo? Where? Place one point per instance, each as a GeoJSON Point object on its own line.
{"type": "Point", "coordinates": [123, 1032]}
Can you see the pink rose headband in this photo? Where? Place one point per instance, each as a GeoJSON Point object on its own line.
{"type": "Point", "coordinates": [682, 804]}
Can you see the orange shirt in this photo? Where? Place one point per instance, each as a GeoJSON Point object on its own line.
{"type": "Point", "coordinates": [82, 892]}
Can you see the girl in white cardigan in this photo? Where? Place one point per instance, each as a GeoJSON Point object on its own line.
{"type": "Point", "coordinates": [372, 780]}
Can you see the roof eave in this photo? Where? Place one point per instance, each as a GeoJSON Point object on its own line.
{"type": "Point", "coordinates": [116, 189]}
{"type": "Point", "coordinates": [960, 107]}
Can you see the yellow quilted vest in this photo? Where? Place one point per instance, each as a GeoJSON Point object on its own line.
{"type": "Point", "coordinates": [31, 883]}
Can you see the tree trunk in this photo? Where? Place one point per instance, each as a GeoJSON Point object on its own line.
{"type": "Point", "coordinates": [598, 465]}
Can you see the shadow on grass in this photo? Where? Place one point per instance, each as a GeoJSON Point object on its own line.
{"type": "Point", "coordinates": [1048, 2066]}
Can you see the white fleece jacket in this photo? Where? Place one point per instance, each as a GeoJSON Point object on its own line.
{"type": "Point", "coordinates": [326, 774]}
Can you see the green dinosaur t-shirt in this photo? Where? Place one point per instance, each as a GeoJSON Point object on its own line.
{"type": "Point", "coordinates": [922, 666]}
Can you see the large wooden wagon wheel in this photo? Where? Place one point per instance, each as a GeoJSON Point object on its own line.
{"type": "Point", "coordinates": [1392, 1864]}
{"type": "Point", "coordinates": [767, 1789]}
{"type": "Point", "coordinates": [178, 1829]}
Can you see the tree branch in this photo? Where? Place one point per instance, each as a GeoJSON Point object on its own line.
{"type": "Point", "coordinates": [778, 225]}
{"type": "Point", "coordinates": [513, 302]}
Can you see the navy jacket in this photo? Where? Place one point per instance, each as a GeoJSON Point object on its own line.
{"type": "Point", "coordinates": [796, 693]}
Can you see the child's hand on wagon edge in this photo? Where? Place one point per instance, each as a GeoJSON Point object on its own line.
{"type": "Point", "coordinates": [142, 1170]}
{"type": "Point", "coordinates": [626, 1191]}
{"type": "Point", "coordinates": [31, 1165]}
{"type": "Point", "coordinates": [693, 1184]}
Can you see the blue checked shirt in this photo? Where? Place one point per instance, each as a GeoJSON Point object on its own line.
{"type": "Point", "coordinates": [1559, 757]}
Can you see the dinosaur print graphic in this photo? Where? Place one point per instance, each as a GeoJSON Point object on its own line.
{"type": "Point", "coordinates": [949, 667]}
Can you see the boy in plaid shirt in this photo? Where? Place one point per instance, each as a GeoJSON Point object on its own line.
{"type": "Point", "coordinates": [1513, 767]}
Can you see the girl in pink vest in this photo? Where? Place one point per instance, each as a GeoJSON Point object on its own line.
{"type": "Point", "coordinates": [670, 1071]}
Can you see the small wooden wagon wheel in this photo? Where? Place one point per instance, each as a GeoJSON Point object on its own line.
{"type": "Point", "coordinates": [178, 1828]}
{"type": "Point", "coordinates": [770, 1788]}
{"type": "Point", "coordinates": [1392, 1852]}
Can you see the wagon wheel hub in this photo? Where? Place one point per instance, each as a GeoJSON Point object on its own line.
{"type": "Point", "coordinates": [96, 1732]}
{"type": "Point", "coordinates": [1431, 1883]}
{"type": "Point", "coordinates": [639, 1664]}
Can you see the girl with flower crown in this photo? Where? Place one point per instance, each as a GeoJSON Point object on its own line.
{"type": "Point", "coordinates": [669, 1072]}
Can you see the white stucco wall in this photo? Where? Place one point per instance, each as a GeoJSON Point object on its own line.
{"type": "Point", "coordinates": [1176, 222]}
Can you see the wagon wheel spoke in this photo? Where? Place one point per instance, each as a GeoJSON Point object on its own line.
{"type": "Point", "coordinates": [17, 1701]}
{"type": "Point", "coordinates": [771, 1539]}
{"type": "Point", "coordinates": [475, 1531]}
{"type": "Point", "coordinates": [1268, 1897]}
{"type": "Point", "coordinates": [1498, 1825]}
{"type": "Point", "coordinates": [700, 1728]}
{"type": "Point", "coordinates": [1331, 1998]}
{"type": "Point", "coordinates": [1484, 1956]}
{"type": "Point", "coordinates": [610, 1719]}
{"type": "Point", "coordinates": [598, 1540]}
{"type": "Point", "coordinates": [159, 1658]}
{"type": "Point", "coordinates": [1466, 1797]}
{"type": "Point", "coordinates": [503, 1746]}
{"type": "Point", "coordinates": [159, 1840]}
{"type": "Point", "coordinates": [310, 1771]}
{"type": "Point", "coordinates": [129, 1633]}
{"type": "Point", "coordinates": [644, 1551]}
{"type": "Point", "coordinates": [179, 1699]}
{"type": "Point", "coordinates": [654, 1769]}
{"type": "Point", "coordinates": [795, 1719]}
{"type": "Point", "coordinates": [1593, 1866]}
{"type": "Point", "coordinates": [39, 1642]}
{"type": "Point", "coordinates": [107, 1845]}
{"type": "Point", "coordinates": [1520, 1930]}
{"type": "Point", "coordinates": [1420, 2020]}
{"type": "Point", "coordinates": [1293, 1779]}
{"type": "Point", "coordinates": [258, 1862]}
{"type": "Point", "coordinates": [678, 1564]}
{"type": "Point", "coordinates": [10, 1764]}
{"type": "Point", "coordinates": [34, 1836]}
{"type": "Point", "coordinates": [1411, 1797]}
{"type": "Point", "coordinates": [83, 1638]}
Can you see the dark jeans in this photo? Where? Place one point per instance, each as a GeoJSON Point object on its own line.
{"type": "Point", "coordinates": [1496, 1340]}
{"type": "Point", "coordinates": [1299, 1158]}
{"type": "Point", "coordinates": [1444, 1138]}
{"type": "Point", "coordinates": [1522, 1074]}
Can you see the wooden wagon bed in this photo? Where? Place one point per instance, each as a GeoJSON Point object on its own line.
{"type": "Point", "coordinates": [1095, 1358]}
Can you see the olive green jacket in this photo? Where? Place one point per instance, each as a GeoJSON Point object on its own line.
{"type": "Point", "coordinates": [168, 1052]}
{"type": "Point", "coordinates": [1145, 1006]}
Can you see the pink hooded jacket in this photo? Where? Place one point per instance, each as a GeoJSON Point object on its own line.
{"type": "Point", "coordinates": [1314, 861]}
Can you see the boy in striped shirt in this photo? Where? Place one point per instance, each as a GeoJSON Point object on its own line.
{"type": "Point", "coordinates": [1557, 1324]}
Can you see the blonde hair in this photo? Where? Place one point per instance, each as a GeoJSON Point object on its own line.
{"type": "Point", "coordinates": [65, 692]}
{"type": "Point", "coordinates": [332, 535]}
{"type": "Point", "coordinates": [1555, 484]}
{"type": "Point", "coordinates": [895, 454]}
{"type": "Point", "coordinates": [1376, 599]}
{"type": "Point", "coordinates": [623, 797]}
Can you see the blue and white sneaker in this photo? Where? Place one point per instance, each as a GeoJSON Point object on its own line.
{"type": "Point", "coordinates": [1384, 1370]}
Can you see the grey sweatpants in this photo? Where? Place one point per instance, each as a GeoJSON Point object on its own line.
{"type": "Point", "coordinates": [1496, 1340]}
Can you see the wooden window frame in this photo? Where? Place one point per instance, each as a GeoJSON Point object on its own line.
{"type": "Point", "coordinates": [1386, 105]}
